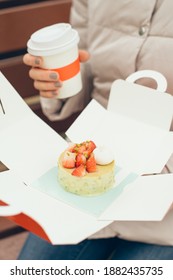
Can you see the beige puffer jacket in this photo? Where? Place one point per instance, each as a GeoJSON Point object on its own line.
{"type": "Point", "coordinates": [123, 37]}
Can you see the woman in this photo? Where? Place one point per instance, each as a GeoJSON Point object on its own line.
{"type": "Point", "coordinates": [117, 39]}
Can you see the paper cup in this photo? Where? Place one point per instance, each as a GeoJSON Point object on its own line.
{"type": "Point", "coordinates": [58, 45]}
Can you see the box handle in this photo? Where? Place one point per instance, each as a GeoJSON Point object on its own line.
{"type": "Point", "coordinates": [158, 77]}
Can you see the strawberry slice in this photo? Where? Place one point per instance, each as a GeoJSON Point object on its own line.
{"type": "Point", "coordinates": [80, 159]}
{"type": "Point", "coordinates": [90, 145]}
{"type": "Point", "coordinates": [69, 160]}
{"type": "Point", "coordinates": [91, 164]}
{"type": "Point", "coordinates": [89, 148]}
{"type": "Point", "coordinates": [80, 148]}
{"type": "Point", "coordinates": [79, 171]}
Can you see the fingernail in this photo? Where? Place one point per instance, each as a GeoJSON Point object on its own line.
{"type": "Point", "coordinates": [37, 61]}
{"type": "Point", "coordinates": [58, 84]}
{"type": "Point", "coordinates": [53, 76]}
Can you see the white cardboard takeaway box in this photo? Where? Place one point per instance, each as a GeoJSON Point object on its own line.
{"type": "Point", "coordinates": [30, 148]}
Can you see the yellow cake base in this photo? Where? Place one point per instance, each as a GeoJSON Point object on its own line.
{"type": "Point", "coordinates": [94, 183]}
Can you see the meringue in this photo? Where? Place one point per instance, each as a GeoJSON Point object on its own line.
{"type": "Point", "coordinates": [103, 155]}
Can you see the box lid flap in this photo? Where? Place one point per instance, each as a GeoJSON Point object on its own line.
{"type": "Point", "coordinates": [141, 103]}
{"type": "Point", "coordinates": [142, 200]}
{"type": "Point", "coordinates": [141, 147]}
{"type": "Point", "coordinates": [28, 145]}
{"type": "Point", "coordinates": [62, 223]}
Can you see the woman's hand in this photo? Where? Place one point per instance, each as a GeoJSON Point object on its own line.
{"type": "Point", "coordinates": [47, 81]}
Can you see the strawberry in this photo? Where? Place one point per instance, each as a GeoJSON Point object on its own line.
{"type": "Point", "coordinates": [80, 148]}
{"type": "Point", "coordinates": [69, 159]}
{"type": "Point", "coordinates": [91, 164]}
{"type": "Point", "coordinates": [86, 154]}
{"type": "Point", "coordinates": [90, 145]}
{"type": "Point", "coordinates": [80, 159]}
{"type": "Point", "coordinates": [79, 171]}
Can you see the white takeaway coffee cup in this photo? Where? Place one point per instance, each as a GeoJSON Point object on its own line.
{"type": "Point", "coordinates": [58, 45]}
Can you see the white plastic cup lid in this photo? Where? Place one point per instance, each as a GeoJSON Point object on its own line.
{"type": "Point", "coordinates": [52, 39]}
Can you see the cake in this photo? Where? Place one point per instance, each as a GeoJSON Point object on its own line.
{"type": "Point", "coordinates": [85, 169]}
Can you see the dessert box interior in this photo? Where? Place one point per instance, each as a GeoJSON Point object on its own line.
{"type": "Point", "coordinates": [136, 128]}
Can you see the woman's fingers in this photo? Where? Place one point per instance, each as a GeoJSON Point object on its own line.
{"type": "Point", "coordinates": [37, 61]}
{"type": "Point", "coordinates": [43, 75]}
{"type": "Point", "coordinates": [47, 85]}
{"type": "Point", "coordinates": [83, 55]}
{"type": "Point", "coordinates": [34, 61]}
{"type": "Point", "coordinates": [47, 81]}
